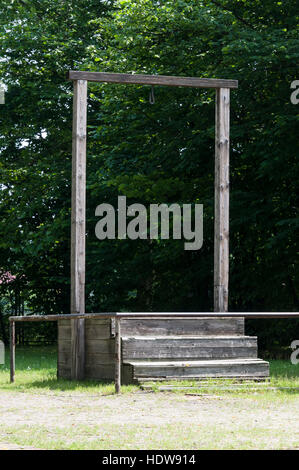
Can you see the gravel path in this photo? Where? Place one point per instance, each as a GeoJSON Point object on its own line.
{"type": "Point", "coordinates": [154, 409]}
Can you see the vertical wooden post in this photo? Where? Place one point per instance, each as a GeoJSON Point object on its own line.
{"type": "Point", "coordinates": [221, 226]}
{"type": "Point", "coordinates": [78, 227]}
{"type": "Point", "coordinates": [117, 355]}
{"type": "Point", "coordinates": [12, 331]}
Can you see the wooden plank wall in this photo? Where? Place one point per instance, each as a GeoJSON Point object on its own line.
{"type": "Point", "coordinates": [99, 349]}
{"type": "Point", "coordinates": [182, 326]}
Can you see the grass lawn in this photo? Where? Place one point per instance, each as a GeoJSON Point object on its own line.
{"type": "Point", "coordinates": [40, 411]}
{"type": "Point", "coordinates": [36, 369]}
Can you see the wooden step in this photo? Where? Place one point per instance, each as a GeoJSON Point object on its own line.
{"type": "Point", "coordinates": [188, 347]}
{"type": "Point", "coordinates": [138, 371]}
{"type": "Point", "coordinates": [223, 326]}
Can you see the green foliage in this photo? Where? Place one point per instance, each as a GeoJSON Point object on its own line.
{"type": "Point", "coordinates": [39, 42]}
{"type": "Point", "coordinates": [164, 152]}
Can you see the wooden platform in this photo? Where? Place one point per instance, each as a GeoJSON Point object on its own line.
{"type": "Point", "coordinates": [162, 349]}
{"type": "Point", "coordinates": [140, 371]}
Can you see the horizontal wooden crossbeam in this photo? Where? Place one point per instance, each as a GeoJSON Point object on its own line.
{"type": "Point", "coordinates": [87, 316]}
{"type": "Point", "coordinates": [140, 79]}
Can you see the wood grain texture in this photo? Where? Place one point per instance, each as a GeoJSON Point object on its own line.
{"type": "Point", "coordinates": [221, 222]}
{"type": "Point", "coordinates": [64, 372]}
{"type": "Point", "coordinates": [139, 359]}
{"type": "Point", "coordinates": [64, 346]}
{"type": "Point", "coordinates": [64, 349]}
{"type": "Point", "coordinates": [78, 226]}
{"type": "Point", "coordinates": [197, 369]}
{"type": "Point", "coordinates": [183, 326]}
{"type": "Point", "coordinates": [154, 315]}
{"type": "Point", "coordinates": [97, 329]}
{"type": "Point", "coordinates": [90, 360]}
{"type": "Point", "coordinates": [101, 346]}
{"type": "Point", "coordinates": [100, 371]}
{"type": "Point", "coordinates": [99, 360]}
{"type": "Point", "coordinates": [162, 80]}
{"type": "Point", "coordinates": [118, 356]}
{"type": "Point", "coordinates": [64, 333]}
{"type": "Point", "coordinates": [186, 348]}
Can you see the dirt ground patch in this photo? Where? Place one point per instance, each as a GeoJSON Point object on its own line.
{"type": "Point", "coordinates": [57, 413]}
{"type": "Point", "coordinates": [8, 446]}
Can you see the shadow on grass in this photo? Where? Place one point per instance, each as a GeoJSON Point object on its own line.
{"type": "Point", "coordinates": [41, 362]}
{"type": "Point", "coordinates": [36, 368]}
{"type": "Point", "coordinates": [283, 370]}
{"type": "Point", "coordinates": [36, 358]}
{"type": "Point", "coordinates": [63, 385]}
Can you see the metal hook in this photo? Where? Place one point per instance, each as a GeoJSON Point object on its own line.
{"type": "Point", "coordinates": [152, 96]}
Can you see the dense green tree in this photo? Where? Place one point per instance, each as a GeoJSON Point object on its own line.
{"type": "Point", "coordinates": [142, 149]}
{"type": "Point", "coordinates": [39, 42]}
{"type": "Point", "coordinates": [164, 153]}
{"type": "Point", "coordinates": [151, 153]}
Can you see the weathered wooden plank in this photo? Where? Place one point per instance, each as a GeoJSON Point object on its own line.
{"type": "Point", "coordinates": [127, 374]}
{"type": "Point", "coordinates": [203, 382]}
{"type": "Point", "coordinates": [90, 359]}
{"type": "Point", "coordinates": [156, 315]}
{"type": "Point", "coordinates": [220, 368]}
{"type": "Point", "coordinates": [78, 198]}
{"type": "Point", "coordinates": [64, 333]}
{"type": "Point", "coordinates": [183, 326]}
{"type": "Point", "coordinates": [78, 226]}
{"type": "Point", "coordinates": [100, 346]}
{"type": "Point", "coordinates": [64, 358]}
{"type": "Point", "coordinates": [187, 348]}
{"type": "Point", "coordinates": [188, 342]}
{"type": "Point", "coordinates": [107, 372]}
{"type": "Point", "coordinates": [98, 328]}
{"type": "Point", "coordinates": [118, 356]}
{"type": "Point", "coordinates": [103, 358]}
{"type": "Point", "coordinates": [64, 323]}
{"type": "Point", "coordinates": [221, 223]}
{"type": "Point", "coordinates": [100, 332]}
{"type": "Point", "coordinates": [100, 371]}
{"type": "Point", "coordinates": [112, 326]}
{"type": "Point", "coordinates": [195, 363]}
{"type": "Point", "coordinates": [91, 322]}
{"type": "Point", "coordinates": [162, 80]}
{"type": "Point", "coordinates": [200, 379]}
{"type": "Point", "coordinates": [64, 372]}
{"type": "Point", "coordinates": [190, 354]}
{"type": "Point", "coordinates": [64, 346]}
{"type": "Point", "coordinates": [78, 349]}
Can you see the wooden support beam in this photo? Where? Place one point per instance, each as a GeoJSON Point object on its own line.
{"type": "Point", "coordinates": [162, 80]}
{"type": "Point", "coordinates": [12, 330]}
{"type": "Point", "coordinates": [117, 355]}
{"type": "Point", "coordinates": [154, 315]}
{"type": "Point", "coordinates": [78, 226]}
{"type": "Point", "coordinates": [221, 224]}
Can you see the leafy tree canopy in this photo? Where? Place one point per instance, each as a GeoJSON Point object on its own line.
{"type": "Point", "coordinates": [150, 153]}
